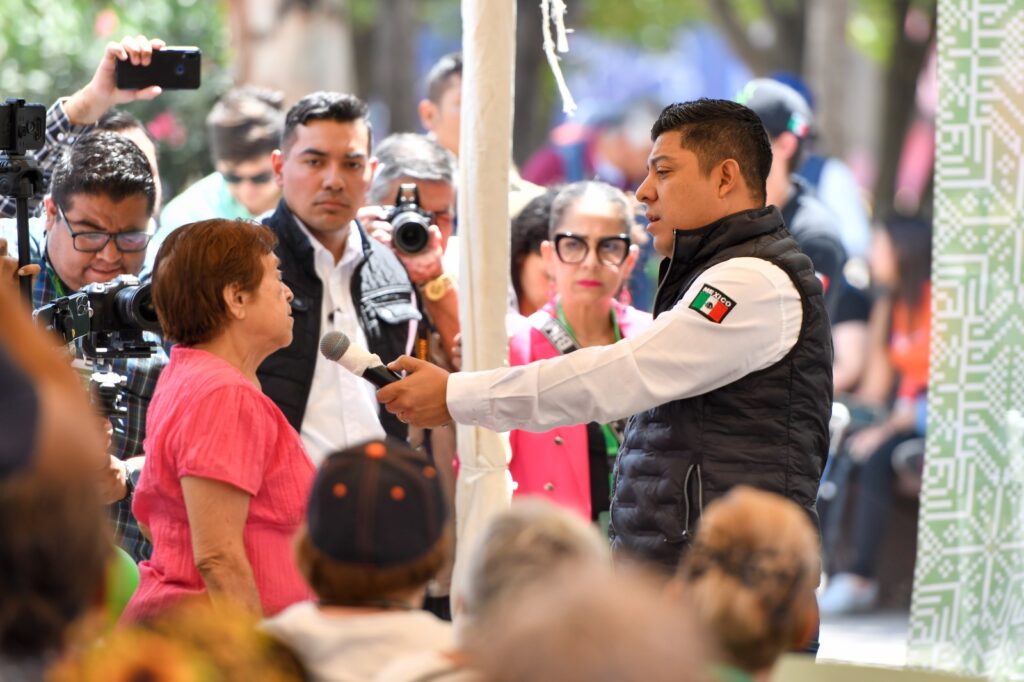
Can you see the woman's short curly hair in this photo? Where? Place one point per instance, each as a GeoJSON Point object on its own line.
{"type": "Point", "coordinates": [193, 266]}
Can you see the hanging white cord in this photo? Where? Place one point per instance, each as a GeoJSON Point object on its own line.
{"type": "Point", "coordinates": [554, 11]}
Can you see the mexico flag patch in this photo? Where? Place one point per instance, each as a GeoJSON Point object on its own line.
{"type": "Point", "coordinates": [712, 304]}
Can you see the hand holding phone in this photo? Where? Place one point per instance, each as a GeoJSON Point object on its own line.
{"type": "Point", "coordinates": [99, 94]}
{"type": "Point", "coordinates": [169, 68]}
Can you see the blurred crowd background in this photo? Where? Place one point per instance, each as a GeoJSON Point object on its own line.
{"type": "Point", "coordinates": [869, 65]}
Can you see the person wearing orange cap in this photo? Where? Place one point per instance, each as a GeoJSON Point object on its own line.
{"type": "Point", "coordinates": [376, 532]}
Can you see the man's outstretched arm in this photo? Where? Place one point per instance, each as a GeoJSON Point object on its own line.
{"type": "Point", "coordinates": [686, 352]}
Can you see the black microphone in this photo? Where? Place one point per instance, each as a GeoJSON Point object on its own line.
{"type": "Point", "coordinates": [336, 347]}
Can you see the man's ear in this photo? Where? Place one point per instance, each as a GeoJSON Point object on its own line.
{"type": "Point", "coordinates": [50, 207]}
{"type": "Point", "coordinates": [428, 114]}
{"type": "Point", "coordinates": [277, 161]}
{"type": "Point", "coordinates": [235, 299]}
{"type": "Point", "coordinates": [730, 179]}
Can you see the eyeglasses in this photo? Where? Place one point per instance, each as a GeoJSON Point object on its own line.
{"type": "Point", "coordinates": [573, 249]}
{"type": "Point", "coordinates": [258, 179]}
{"type": "Point", "coordinates": [93, 242]}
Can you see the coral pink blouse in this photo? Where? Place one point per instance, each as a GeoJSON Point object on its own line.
{"type": "Point", "coordinates": [207, 420]}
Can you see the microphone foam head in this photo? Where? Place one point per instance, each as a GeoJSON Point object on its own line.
{"type": "Point", "coordinates": [333, 345]}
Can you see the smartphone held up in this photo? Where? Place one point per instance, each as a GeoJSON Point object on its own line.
{"type": "Point", "coordinates": [171, 68]}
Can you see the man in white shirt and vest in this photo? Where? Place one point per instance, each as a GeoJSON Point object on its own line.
{"type": "Point", "coordinates": [732, 384]}
{"type": "Point", "coordinates": [342, 279]}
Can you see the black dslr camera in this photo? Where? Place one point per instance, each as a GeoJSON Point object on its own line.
{"type": "Point", "coordinates": [107, 319]}
{"type": "Point", "coordinates": [410, 224]}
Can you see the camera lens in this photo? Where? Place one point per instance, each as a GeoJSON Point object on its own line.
{"type": "Point", "coordinates": [180, 69]}
{"type": "Point", "coordinates": [135, 310]}
{"type": "Point", "coordinates": [410, 233]}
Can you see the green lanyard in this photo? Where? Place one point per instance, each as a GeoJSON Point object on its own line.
{"type": "Point", "coordinates": [611, 442]}
{"type": "Point", "coordinates": [568, 328]}
{"type": "Point", "coordinates": [58, 286]}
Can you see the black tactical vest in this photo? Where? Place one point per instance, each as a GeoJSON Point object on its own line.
{"type": "Point", "coordinates": [382, 295]}
{"type": "Point", "coordinates": [768, 430]}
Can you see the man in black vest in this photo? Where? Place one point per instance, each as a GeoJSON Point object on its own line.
{"type": "Point", "coordinates": [342, 279]}
{"type": "Point", "coordinates": [731, 385]}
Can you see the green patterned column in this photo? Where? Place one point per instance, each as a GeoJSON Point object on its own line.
{"type": "Point", "coordinates": [968, 609]}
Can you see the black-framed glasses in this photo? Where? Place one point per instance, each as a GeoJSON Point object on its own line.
{"type": "Point", "coordinates": [572, 249]}
{"type": "Point", "coordinates": [93, 242]}
{"type": "Point", "coordinates": [258, 179]}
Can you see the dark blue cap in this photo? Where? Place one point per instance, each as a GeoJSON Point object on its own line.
{"type": "Point", "coordinates": [376, 504]}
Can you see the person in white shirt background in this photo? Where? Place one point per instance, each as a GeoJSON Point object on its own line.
{"type": "Point", "coordinates": [343, 279]}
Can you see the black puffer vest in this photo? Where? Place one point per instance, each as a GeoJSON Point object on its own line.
{"type": "Point", "coordinates": [768, 429]}
{"type": "Point", "coordinates": [383, 298]}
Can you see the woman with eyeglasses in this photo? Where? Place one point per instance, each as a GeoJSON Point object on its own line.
{"type": "Point", "coordinates": [589, 256]}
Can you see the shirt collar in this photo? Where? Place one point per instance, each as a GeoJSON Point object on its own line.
{"type": "Point", "coordinates": [353, 245]}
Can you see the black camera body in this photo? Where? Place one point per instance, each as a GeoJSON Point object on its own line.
{"type": "Point", "coordinates": [410, 224]}
{"type": "Point", "coordinates": [22, 126]}
{"type": "Point", "coordinates": [109, 317]}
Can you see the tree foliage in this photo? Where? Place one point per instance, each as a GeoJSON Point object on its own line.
{"type": "Point", "coordinates": [652, 24]}
{"type": "Point", "coordinates": [50, 49]}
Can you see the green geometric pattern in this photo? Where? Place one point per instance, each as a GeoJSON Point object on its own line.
{"type": "Point", "coordinates": [968, 607]}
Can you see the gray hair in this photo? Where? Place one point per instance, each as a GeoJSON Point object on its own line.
{"type": "Point", "coordinates": [524, 546]}
{"type": "Point", "coordinates": [413, 156]}
{"type": "Point", "coordinates": [571, 194]}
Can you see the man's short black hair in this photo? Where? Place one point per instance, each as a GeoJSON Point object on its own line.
{"type": "Point", "coordinates": [441, 74]}
{"type": "Point", "coordinates": [118, 121]}
{"type": "Point", "coordinates": [718, 129]}
{"type": "Point", "coordinates": [245, 124]}
{"type": "Point", "coordinates": [326, 106]}
{"type": "Point", "coordinates": [103, 163]}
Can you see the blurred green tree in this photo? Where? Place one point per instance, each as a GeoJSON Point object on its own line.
{"type": "Point", "coordinates": [50, 49]}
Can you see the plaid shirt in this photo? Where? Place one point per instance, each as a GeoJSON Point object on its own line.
{"type": "Point", "coordinates": [142, 374]}
{"type": "Point", "coordinates": [60, 135]}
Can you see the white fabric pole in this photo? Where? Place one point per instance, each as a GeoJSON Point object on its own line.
{"type": "Point", "coordinates": [484, 486]}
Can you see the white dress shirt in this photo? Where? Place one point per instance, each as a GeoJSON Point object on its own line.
{"type": "Point", "coordinates": [342, 409]}
{"type": "Point", "coordinates": [681, 355]}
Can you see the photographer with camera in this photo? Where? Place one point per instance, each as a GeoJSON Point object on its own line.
{"type": "Point", "coordinates": [95, 223]}
{"type": "Point", "coordinates": [413, 211]}
{"type": "Point", "coordinates": [71, 117]}
{"type": "Point", "coordinates": [342, 279]}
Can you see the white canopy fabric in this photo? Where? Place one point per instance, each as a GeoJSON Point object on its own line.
{"type": "Point", "coordinates": [484, 486]}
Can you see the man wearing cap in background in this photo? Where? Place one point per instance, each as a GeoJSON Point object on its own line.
{"type": "Point", "coordinates": [787, 118]}
{"type": "Point", "coordinates": [376, 532]}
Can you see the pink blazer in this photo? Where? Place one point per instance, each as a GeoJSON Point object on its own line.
{"type": "Point", "coordinates": [554, 464]}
